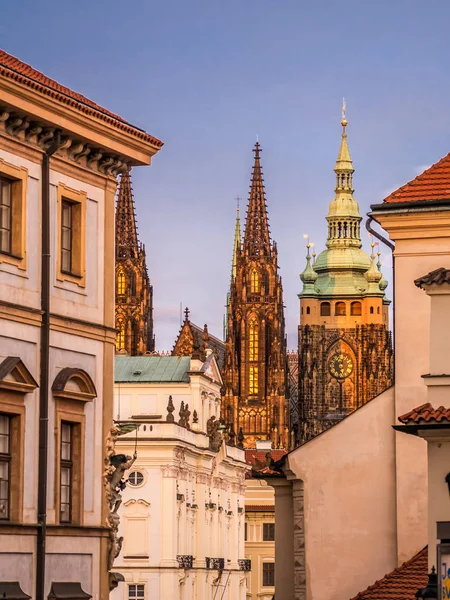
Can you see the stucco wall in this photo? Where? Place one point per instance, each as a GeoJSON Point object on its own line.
{"type": "Point", "coordinates": [349, 509]}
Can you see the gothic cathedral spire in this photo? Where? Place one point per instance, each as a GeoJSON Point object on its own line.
{"type": "Point", "coordinates": [134, 294]}
{"type": "Point", "coordinates": [254, 373]}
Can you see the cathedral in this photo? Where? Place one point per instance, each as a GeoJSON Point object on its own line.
{"type": "Point", "coordinates": [254, 402]}
{"type": "Point", "coordinates": [134, 294]}
{"type": "Point", "coordinates": [345, 346]}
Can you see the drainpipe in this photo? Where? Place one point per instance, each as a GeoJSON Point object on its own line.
{"type": "Point", "coordinates": [390, 245]}
{"type": "Point", "coordinates": [44, 367]}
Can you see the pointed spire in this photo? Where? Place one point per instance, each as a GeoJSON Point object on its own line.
{"type": "Point", "coordinates": [257, 235]}
{"type": "Point", "coordinates": [344, 161]}
{"type": "Point", "coordinates": [237, 240]}
{"type": "Point", "coordinates": [127, 241]}
{"type": "Point", "coordinates": [309, 276]}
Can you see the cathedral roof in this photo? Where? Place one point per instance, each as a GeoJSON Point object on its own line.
{"type": "Point", "coordinates": [430, 186]}
{"type": "Point", "coordinates": [152, 369]}
{"type": "Point", "coordinates": [402, 583]}
{"type": "Point", "coordinates": [126, 230]}
{"type": "Point", "coordinates": [13, 68]}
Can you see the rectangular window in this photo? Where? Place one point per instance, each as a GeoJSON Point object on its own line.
{"type": "Point", "coordinates": [5, 466]}
{"type": "Point", "coordinates": [66, 468]}
{"type": "Point", "coordinates": [268, 532]}
{"type": "Point", "coordinates": [66, 236]}
{"type": "Point", "coordinates": [268, 574]}
{"type": "Point", "coordinates": [5, 216]}
{"type": "Point", "coordinates": [253, 380]}
{"type": "Point", "coordinates": [136, 592]}
{"type": "Point", "coordinates": [245, 532]}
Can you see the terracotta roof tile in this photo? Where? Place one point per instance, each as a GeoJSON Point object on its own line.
{"type": "Point", "coordinates": [439, 276]}
{"type": "Point", "coordinates": [401, 583]}
{"type": "Point", "coordinates": [13, 68]}
{"type": "Point", "coordinates": [426, 414]}
{"type": "Point", "coordinates": [431, 185]}
{"type": "Point", "coordinates": [259, 508]}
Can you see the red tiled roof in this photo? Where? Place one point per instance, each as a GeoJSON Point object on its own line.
{"type": "Point", "coordinates": [13, 68]}
{"type": "Point", "coordinates": [431, 185]}
{"type": "Point", "coordinates": [425, 414]}
{"type": "Point", "coordinates": [438, 277]}
{"type": "Point", "coordinates": [402, 583]}
{"type": "Point", "coordinates": [259, 508]}
{"type": "Point", "coordinates": [251, 456]}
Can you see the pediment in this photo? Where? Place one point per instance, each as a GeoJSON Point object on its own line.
{"type": "Point", "coordinates": [74, 384]}
{"type": "Point", "coordinates": [15, 376]}
{"type": "Point", "coordinates": [212, 370]}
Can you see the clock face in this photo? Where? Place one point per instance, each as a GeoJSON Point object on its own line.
{"type": "Point", "coordinates": [341, 366]}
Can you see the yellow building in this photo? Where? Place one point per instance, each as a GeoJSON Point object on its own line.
{"type": "Point", "coordinates": [60, 154]}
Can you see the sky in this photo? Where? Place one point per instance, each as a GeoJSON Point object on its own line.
{"type": "Point", "coordinates": [208, 76]}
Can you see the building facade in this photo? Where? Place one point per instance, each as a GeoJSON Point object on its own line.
{"type": "Point", "coordinates": [254, 372]}
{"type": "Point", "coordinates": [60, 154]}
{"type": "Point", "coordinates": [345, 346]}
{"type": "Point", "coordinates": [134, 294]}
{"type": "Point", "coordinates": [182, 514]}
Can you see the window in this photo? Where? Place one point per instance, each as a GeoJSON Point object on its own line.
{"type": "Point", "coordinates": [253, 341]}
{"type": "Point", "coordinates": [120, 338]}
{"type": "Point", "coordinates": [133, 284]}
{"type": "Point", "coordinates": [66, 467]}
{"type": "Point", "coordinates": [5, 216]}
{"type": "Point", "coordinates": [72, 234]}
{"type": "Point", "coordinates": [121, 282]}
{"type": "Point", "coordinates": [135, 478]}
{"type": "Point", "coordinates": [253, 380]}
{"type": "Point", "coordinates": [325, 309]}
{"type": "Point", "coordinates": [308, 310]}
{"type": "Point", "coordinates": [268, 532]}
{"type": "Point", "coordinates": [136, 592]}
{"type": "Point", "coordinates": [245, 532]}
{"type": "Point", "coordinates": [355, 309]}
{"type": "Point", "coordinates": [254, 282]}
{"type": "Point", "coordinates": [66, 236]}
{"type": "Point", "coordinates": [5, 465]}
{"type": "Point", "coordinates": [378, 310]}
{"type": "Point", "coordinates": [371, 310]}
{"type": "Point", "coordinates": [340, 310]}
{"type": "Point", "coordinates": [268, 574]}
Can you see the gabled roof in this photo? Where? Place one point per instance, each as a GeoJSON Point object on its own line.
{"type": "Point", "coordinates": [152, 369]}
{"type": "Point", "coordinates": [401, 583]}
{"type": "Point", "coordinates": [426, 414]}
{"type": "Point", "coordinates": [13, 68]}
{"type": "Point", "coordinates": [430, 186]}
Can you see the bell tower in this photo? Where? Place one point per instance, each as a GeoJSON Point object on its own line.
{"type": "Point", "coordinates": [254, 373]}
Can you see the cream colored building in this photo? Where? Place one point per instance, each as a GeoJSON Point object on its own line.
{"type": "Point", "coordinates": [59, 157]}
{"type": "Point", "coordinates": [356, 496]}
{"type": "Point", "coordinates": [182, 514]}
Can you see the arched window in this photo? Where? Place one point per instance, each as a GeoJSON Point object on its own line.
{"type": "Point", "coordinates": [120, 337]}
{"type": "Point", "coordinates": [378, 310]}
{"type": "Point", "coordinates": [253, 343]}
{"type": "Point", "coordinates": [308, 310]}
{"type": "Point", "coordinates": [133, 284]}
{"type": "Point", "coordinates": [355, 309]}
{"type": "Point", "coordinates": [340, 310]}
{"type": "Point", "coordinates": [325, 309]}
{"type": "Point", "coordinates": [121, 282]}
{"type": "Point", "coordinates": [134, 338]}
{"type": "Point", "coordinates": [371, 310]}
{"type": "Point", "coordinates": [254, 282]}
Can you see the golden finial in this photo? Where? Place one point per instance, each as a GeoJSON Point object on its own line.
{"type": "Point", "coordinates": [344, 109]}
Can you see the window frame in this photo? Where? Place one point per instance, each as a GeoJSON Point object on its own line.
{"type": "Point", "coordinates": [356, 304]}
{"type": "Point", "coordinates": [270, 527]}
{"type": "Point", "coordinates": [77, 200]}
{"type": "Point", "coordinates": [6, 459]}
{"type": "Point", "coordinates": [18, 178]}
{"type": "Point", "coordinates": [326, 305]}
{"type": "Point", "coordinates": [337, 312]}
{"type": "Point", "coordinates": [67, 465]}
{"type": "Point", "coordinates": [268, 572]}
{"type": "Point", "coordinates": [4, 182]}
{"type": "Point", "coordinates": [135, 596]}
{"type": "Point", "coordinates": [121, 286]}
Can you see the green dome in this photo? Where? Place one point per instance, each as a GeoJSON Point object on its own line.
{"type": "Point", "coordinates": [342, 258]}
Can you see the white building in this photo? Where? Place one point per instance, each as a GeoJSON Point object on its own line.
{"type": "Point", "coordinates": [59, 157]}
{"type": "Point", "coordinates": [182, 512]}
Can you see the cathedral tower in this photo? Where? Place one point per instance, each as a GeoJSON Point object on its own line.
{"type": "Point", "coordinates": [345, 347]}
{"type": "Point", "coordinates": [254, 372]}
{"type": "Point", "coordinates": [134, 294]}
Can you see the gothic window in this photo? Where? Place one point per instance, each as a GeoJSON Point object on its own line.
{"type": "Point", "coordinates": [121, 282]}
{"type": "Point", "coordinates": [120, 338]}
{"type": "Point", "coordinates": [253, 345]}
{"type": "Point", "coordinates": [355, 309]}
{"type": "Point", "coordinates": [134, 337]}
{"type": "Point", "coordinates": [254, 282]}
{"type": "Point", "coordinates": [253, 380]}
{"type": "Point", "coordinates": [340, 310]}
{"type": "Point", "coordinates": [133, 284]}
{"type": "Point", "coordinates": [325, 309]}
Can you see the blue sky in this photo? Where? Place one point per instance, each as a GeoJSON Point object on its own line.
{"type": "Point", "coordinates": [207, 76]}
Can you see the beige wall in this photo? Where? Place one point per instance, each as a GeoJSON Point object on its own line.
{"type": "Point", "coordinates": [348, 475]}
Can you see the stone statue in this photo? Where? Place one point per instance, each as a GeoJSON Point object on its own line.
{"type": "Point", "coordinates": [215, 436]}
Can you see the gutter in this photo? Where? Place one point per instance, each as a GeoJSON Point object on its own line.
{"type": "Point", "coordinates": [44, 367]}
